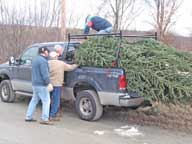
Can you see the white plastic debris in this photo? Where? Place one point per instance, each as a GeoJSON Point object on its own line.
{"type": "Point", "coordinates": [182, 73]}
{"type": "Point", "coordinates": [99, 132]}
{"type": "Point", "coordinates": [124, 127]}
{"type": "Point", "coordinates": [167, 65]}
{"type": "Point", "coordinates": [129, 131]}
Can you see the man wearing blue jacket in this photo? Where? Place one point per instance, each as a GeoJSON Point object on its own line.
{"type": "Point", "coordinates": [40, 81]}
{"type": "Point", "coordinates": [101, 25]}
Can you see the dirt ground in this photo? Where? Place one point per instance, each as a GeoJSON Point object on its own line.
{"type": "Point", "coordinates": [71, 129]}
{"type": "Point", "coordinates": [172, 117]}
{"type": "Point", "coordinates": [167, 117]}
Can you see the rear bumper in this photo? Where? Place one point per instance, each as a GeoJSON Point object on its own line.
{"type": "Point", "coordinates": [127, 100]}
{"type": "Point", "coordinates": [120, 99]}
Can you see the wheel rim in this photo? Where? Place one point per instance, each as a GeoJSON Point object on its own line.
{"type": "Point", "coordinates": [5, 92]}
{"type": "Point", "coordinates": [86, 107]}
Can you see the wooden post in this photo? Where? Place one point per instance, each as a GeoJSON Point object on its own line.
{"type": "Point", "coordinates": [63, 20]}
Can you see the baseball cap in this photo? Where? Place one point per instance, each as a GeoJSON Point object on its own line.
{"type": "Point", "coordinates": [87, 18]}
{"type": "Point", "coordinates": [43, 49]}
{"type": "Point", "coordinates": [53, 54]}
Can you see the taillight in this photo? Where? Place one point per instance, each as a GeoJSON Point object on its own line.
{"type": "Point", "coordinates": [122, 82]}
{"type": "Point", "coordinates": [114, 64]}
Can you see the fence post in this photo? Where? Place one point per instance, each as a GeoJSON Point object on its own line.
{"type": "Point", "coordinates": [156, 36]}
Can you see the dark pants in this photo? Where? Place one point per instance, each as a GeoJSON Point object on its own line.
{"type": "Point", "coordinates": [55, 101]}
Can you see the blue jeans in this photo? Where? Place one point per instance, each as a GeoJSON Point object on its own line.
{"type": "Point", "coordinates": [105, 31]}
{"type": "Point", "coordinates": [39, 93]}
{"type": "Point", "coordinates": [55, 101]}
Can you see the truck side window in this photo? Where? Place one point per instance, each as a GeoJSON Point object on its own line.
{"type": "Point", "coordinates": [70, 53]}
{"type": "Point", "coordinates": [29, 55]}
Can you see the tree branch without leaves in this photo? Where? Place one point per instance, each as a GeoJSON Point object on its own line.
{"type": "Point", "coordinates": [123, 12]}
{"type": "Point", "coordinates": [163, 12]}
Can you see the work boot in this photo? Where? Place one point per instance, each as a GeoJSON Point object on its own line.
{"type": "Point", "coordinates": [46, 122]}
{"type": "Point", "coordinates": [30, 120]}
{"type": "Point", "coordinates": [54, 119]}
{"type": "Point", "coordinates": [59, 113]}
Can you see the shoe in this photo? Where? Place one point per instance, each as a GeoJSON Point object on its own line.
{"type": "Point", "coordinates": [30, 120]}
{"type": "Point", "coordinates": [46, 122]}
{"type": "Point", "coordinates": [54, 119]}
{"type": "Point", "coordinates": [59, 115]}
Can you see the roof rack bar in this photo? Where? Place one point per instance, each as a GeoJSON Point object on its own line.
{"type": "Point", "coordinates": [120, 34]}
{"type": "Point", "coordinates": [117, 53]}
{"type": "Point", "coordinates": [140, 36]}
{"type": "Point", "coordinates": [83, 36]}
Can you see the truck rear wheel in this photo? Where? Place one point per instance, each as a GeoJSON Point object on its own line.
{"type": "Point", "coordinates": [88, 105]}
{"type": "Point", "coordinates": [6, 91]}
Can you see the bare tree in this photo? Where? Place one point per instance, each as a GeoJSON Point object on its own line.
{"type": "Point", "coordinates": [25, 22]}
{"type": "Point", "coordinates": [31, 22]}
{"type": "Point", "coordinates": [123, 12]}
{"type": "Point", "coordinates": [163, 13]}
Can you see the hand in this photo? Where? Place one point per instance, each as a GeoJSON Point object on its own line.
{"type": "Point", "coordinates": [50, 87]}
{"type": "Point", "coordinates": [75, 66]}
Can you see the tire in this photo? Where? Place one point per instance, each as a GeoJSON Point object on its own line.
{"type": "Point", "coordinates": [88, 106]}
{"type": "Point", "coordinates": [6, 91]}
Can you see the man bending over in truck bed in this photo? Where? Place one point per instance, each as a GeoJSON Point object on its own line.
{"type": "Point", "coordinates": [101, 25]}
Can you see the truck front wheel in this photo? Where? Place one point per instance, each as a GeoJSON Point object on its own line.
{"type": "Point", "coordinates": [6, 91]}
{"type": "Point", "coordinates": [88, 105]}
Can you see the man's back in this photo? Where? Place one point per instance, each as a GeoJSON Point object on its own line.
{"type": "Point", "coordinates": [57, 69]}
{"type": "Point", "coordinates": [100, 23]}
{"type": "Point", "coordinates": [97, 23]}
{"type": "Point", "coordinates": [40, 71]}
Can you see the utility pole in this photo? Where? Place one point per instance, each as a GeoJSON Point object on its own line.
{"type": "Point", "coordinates": [63, 19]}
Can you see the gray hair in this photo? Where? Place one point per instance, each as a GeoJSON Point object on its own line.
{"type": "Point", "coordinates": [57, 46]}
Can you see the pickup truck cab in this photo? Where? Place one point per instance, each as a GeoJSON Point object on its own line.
{"type": "Point", "coordinates": [91, 88]}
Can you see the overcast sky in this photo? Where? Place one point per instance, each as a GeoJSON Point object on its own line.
{"type": "Point", "coordinates": [79, 9]}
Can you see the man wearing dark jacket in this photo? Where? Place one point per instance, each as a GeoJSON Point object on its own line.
{"type": "Point", "coordinates": [40, 81]}
{"type": "Point", "coordinates": [97, 23]}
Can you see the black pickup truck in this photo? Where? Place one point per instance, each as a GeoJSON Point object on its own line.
{"type": "Point", "coordinates": [91, 88]}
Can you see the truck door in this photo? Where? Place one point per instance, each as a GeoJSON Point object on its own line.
{"type": "Point", "coordinates": [22, 71]}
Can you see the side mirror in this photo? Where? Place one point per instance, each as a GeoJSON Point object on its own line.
{"type": "Point", "coordinates": [12, 60]}
{"type": "Point", "coordinates": [28, 62]}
